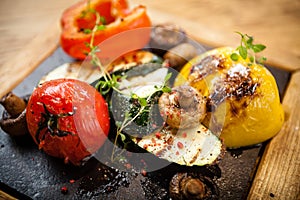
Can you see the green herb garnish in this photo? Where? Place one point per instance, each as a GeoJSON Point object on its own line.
{"type": "Point", "coordinates": [139, 112]}
{"type": "Point", "coordinates": [100, 20]}
{"type": "Point", "coordinates": [247, 49]}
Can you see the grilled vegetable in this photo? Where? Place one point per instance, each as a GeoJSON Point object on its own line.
{"type": "Point", "coordinates": [243, 100]}
{"type": "Point", "coordinates": [67, 119]}
{"type": "Point", "coordinates": [114, 16]}
{"type": "Point", "coordinates": [193, 146]}
{"type": "Point", "coordinates": [89, 73]}
{"type": "Point", "coordinates": [76, 70]}
{"type": "Point", "coordinates": [133, 59]}
{"type": "Point", "coordinates": [142, 81]}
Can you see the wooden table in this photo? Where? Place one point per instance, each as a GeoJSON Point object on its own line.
{"type": "Point", "coordinates": [30, 33]}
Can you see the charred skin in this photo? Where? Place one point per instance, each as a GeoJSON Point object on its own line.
{"type": "Point", "coordinates": [68, 119]}
{"type": "Point", "coordinates": [243, 100]}
{"type": "Point", "coordinates": [184, 107]}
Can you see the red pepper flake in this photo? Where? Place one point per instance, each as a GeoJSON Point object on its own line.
{"type": "Point", "coordinates": [143, 161]}
{"type": "Point", "coordinates": [128, 165]}
{"type": "Point", "coordinates": [180, 145]}
{"type": "Point", "coordinates": [153, 141]}
{"type": "Point", "coordinates": [143, 172]}
{"type": "Point", "coordinates": [166, 64]}
{"type": "Point", "coordinates": [177, 153]}
{"type": "Point", "coordinates": [64, 190]}
{"type": "Point", "coordinates": [129, 154]}
{"type": "Point", "coordinates": [158, 135]}
{"type": "Point", "coordinates": [72, 181]}
{"type": "Point", "coordinates": [145, 146]}
{"type": "Point", "coordinates": [184, 135]}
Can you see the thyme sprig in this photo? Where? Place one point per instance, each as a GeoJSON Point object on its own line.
{"type": "Point", "coordinates": [110, 82]}
{"type": "Point", "coordinates": [248, 49]}
{"type": "Point", "coordinates": [100, 25]}
{"type": "Point", "coordinates": [144, 105]}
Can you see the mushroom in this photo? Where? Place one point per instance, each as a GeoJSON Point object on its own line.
{"type": "Point", "coordinates": [13, 120]}
{"type": "Point", "coordinates": [166, 36]}
{"type": "Point", "coordinates": [193, 187]}
{"type": "Point", "coordinates": [180, 55]}
{"type": "Point", "coordinates": [184, 107]}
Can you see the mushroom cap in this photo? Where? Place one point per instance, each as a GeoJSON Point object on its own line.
{"type": "Point", "coordinates": [14, 126]}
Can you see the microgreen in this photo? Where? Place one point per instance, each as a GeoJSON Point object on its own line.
{"type": "Point", "coordinates": [104, 87]}
{"type": "Point", "coordinates": [247, 49]}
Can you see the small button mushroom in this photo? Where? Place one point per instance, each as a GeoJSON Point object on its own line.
{"type": "Point", "coordinates": [180, 54]}
{"type": "Point", "coordinates": [166, 36]}
{"type": "Point", "coordinates": [13, 120]}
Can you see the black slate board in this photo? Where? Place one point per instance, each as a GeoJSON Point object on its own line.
{"type": "Point", "coordinates": [26, 172]}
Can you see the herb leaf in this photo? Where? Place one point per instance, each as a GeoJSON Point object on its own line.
{"type": "Point", "coordinates": [258, 48]}
{"type": "Point", "coordinates": [166, 89]}
{"type": "Point", "coordinates": [87, 31]}
{"type": "Point", "coordinates": [243, 51]}
{"type": "Point", "coordinates": [234, 57]}
{"type": "Point", "coordinates": [168, 76]}
{"type": "Point", "coordinates": [102, 20]}
{"type": "Point", "coordinates": [101, 27]}
{"type": "Point", "coordinates": [247, 48]}
{"type": "Point", "coordinates": [143, 102]}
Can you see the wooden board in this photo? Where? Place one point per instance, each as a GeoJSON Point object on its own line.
{"type": "Point", "coordinates": [17, 69]}
{"type": "Point", "coordinates": [278, 175]}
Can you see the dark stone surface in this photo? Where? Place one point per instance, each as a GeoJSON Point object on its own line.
{"type": "Point", "coordinates": [24, 170]}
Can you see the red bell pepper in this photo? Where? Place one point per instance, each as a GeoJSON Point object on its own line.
{"type": "Point", "coordinates": [118, 17]}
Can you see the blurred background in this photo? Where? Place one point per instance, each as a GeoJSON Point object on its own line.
{"type": "Point", "coordinates": [274, 23]}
